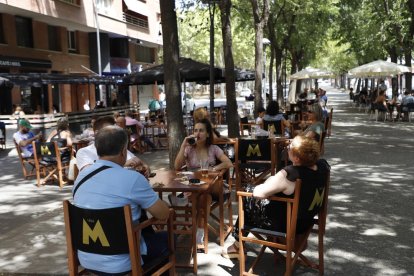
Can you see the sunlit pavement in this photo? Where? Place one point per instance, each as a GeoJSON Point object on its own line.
{"type": "Point", "coordinates": [370, 228]}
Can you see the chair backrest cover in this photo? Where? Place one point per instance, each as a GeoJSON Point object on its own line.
{"type": "Point", "coordinates": [45, 149]}
{"type": "Point", "coordinates": [277, 125]}
{"type": "Point", "coordinates": [254, 149]}
{"type": "Point", "coordinates": [132, 129]}
{"type": "Point", "coordinates": [99, 231]}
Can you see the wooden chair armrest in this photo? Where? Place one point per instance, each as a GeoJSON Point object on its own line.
{"type": "Point", "coordinates": [154, 221]}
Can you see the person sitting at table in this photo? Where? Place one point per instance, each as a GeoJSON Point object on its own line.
{"type": "Point", "coordinates": [316, 126]}
{"type": "Point", "coordinates": [306, 165]}
{"type": "Point", "coordinates": [260, 114]}
{"type": "Point", "coordinates": [120, 121]}
{"type": "Point", "coordinates": [116, 187]}
{"type": "Point", "coordinates": [130, 121]}
{"type": "Point", "coordinates": [406, 100]}
{"type": "Point", "coordinates": [191, 154]}
{"type": "Point", "coordinates": [381, 102]}
{"type": "Point", "coordinates": [61, 132]}
{"type": "Point", "coordinates": [202, 113]}
{"type": "Point", "coordinates": [88, 155]}
{"type": "Point", "coordinates": [88, 133]}
{"type": "Point", "coordinates": [24, 137]}
{"type": "Point", "coordinates": [62, 136]}
{"type": "Point", "coordinates": [273, 114]}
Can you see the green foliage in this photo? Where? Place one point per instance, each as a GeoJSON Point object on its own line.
{"type": "Point", "coordinates": [194, 37]}
{"type": "Point", "coordinates": [374, 29]}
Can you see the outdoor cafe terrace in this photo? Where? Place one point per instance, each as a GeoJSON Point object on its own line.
{"type": "Point", "coordinates": [370, 211]}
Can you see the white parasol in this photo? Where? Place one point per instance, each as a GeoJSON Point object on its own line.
{"type": "Point", "coordinates": [379, 68]}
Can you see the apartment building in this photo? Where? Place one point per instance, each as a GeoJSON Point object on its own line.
{"type": "Point", "coordinates": [75, 38]}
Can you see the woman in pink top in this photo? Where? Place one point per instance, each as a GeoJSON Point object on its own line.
{"type": "Point", "coordinates": [191, 154]}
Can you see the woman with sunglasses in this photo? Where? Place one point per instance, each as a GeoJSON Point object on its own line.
{"type": "Point", "coordinates": [306, 165]}
{"type": "Point", "coordinates": [315, 117]}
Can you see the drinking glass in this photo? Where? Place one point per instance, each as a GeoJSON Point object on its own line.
{"type": "Point", "coordinates": [204, 168]}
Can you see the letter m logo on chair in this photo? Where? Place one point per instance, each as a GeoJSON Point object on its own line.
{"type": "Point", "coordinates": [253, 149]}
{"type": "Point", "coordinates": [44, 150]}
{"type": "Point", "coordinates": [94, 234]}
{"type": "Point", "coordinates": [317, 199]}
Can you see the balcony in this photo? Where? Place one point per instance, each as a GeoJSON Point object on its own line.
{"type": "Point", "coordinates": [135, 21]}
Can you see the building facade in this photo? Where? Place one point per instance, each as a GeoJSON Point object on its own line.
{"type": "Point", "coordinates": [75, 37]}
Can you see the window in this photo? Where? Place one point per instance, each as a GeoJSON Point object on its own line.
{"type": "Point", "coordinates": [104, 5]}
{"type": "Point", "coordinates": [2, 39]}
{"type": "Point", "coordinates": [54, 38]}
{"type": "Point", "coordinates": [136, 19]}
{"type": "Point", "coordinates": [24, 32]}
{"type": "Point", "coordinates": [72, 47]}
{"type": "Point", "coordinates": [144, 54]}
{"type": "Point", "coordinates": [73, 2]}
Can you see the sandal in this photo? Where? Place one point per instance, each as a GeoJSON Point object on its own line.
{"type": "Point", "coordinates": [232, 252]}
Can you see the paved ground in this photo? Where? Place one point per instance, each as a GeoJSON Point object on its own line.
{"type": "Point", "coordinates": [370, 228]}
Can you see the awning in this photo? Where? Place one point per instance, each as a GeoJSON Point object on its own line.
{"type": "Point", "coordinates": [39, 79]}
{"type": "Point", "coordinates": [190, 71]}
{"type": "Point", "coordinates": [137, 7]}
{"type": "Point", "coordinates": [24, 62]}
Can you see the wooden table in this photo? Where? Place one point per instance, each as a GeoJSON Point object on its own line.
{"type": "Point", "coordinates": [172, 181]}
{"type": "Point", "coordinates": [78, 144]}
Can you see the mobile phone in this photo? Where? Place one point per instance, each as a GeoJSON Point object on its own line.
{"type": "Point", "coordinates": [152, 174]}
{"type": "Point", "coordinates": [194, 180]}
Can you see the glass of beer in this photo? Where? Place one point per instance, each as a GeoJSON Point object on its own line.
{"type": "Point", "coordinates": [204, 168]}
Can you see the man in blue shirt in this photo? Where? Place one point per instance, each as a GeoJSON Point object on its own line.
{"type": "Point", "coordinates": [116, 187]}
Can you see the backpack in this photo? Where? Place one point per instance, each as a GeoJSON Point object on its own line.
{"type": "Point", "coordinates": [154, 105]}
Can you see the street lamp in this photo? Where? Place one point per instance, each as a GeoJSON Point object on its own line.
{"type": "Point", "coordinates": [98, 40]}
{"type": "Point", "coordinates": [265, 42]}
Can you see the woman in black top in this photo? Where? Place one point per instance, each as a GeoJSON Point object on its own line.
{"type": "Point", "coordinates": [306, 165]}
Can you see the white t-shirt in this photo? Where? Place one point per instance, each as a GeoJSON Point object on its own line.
{"type": "Point", "coordinates": [88, 156]}
{"type": "Point", "coordinates": [27, 151]}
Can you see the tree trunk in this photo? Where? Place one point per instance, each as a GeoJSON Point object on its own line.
{"type": "Point", "coordinates": [259, 23]}
{"type": "Point", "coordinates": [270, 71]}
{"type": "Point", "coordinates": [408, 76]}
{"type": "Point", "coordinates": [408, 46]}
{"type": "Point", "coordinates": [176, 131]}
{"type": "Point", "coordinates": [232, 121]}
{"type": "Point", "coordinates": [394, 80]}
{"type": "Point", "coordinates": [279, 56]}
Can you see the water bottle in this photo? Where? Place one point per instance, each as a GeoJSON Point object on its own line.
{"type": "Point", "coordinates": [254, 132]}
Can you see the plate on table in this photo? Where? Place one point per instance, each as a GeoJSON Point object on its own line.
{"type": "Point", "coordinates": [184, 173]}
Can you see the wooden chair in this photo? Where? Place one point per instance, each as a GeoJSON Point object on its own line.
{"type": "Point", "coordinates": [328, 123]}
{"type": "Point", "coordinates": [161, 135]}
{"type": "Point", "coordinates": [281, 159]}
{"type": "Point", "coordinates": [322, 143]}
{"type": "Point", "coordinates": [49, 162]}
{"type": "Point", "coordinates": [28, 163]}
{"type": "Point", "coordinates": [296, 210]}
{"type": "Point", "coordinates": [245, 125]}
{"type": "Point", "coordinates": [254, 161]}
{"type": "Point", "coordinates": [118, 235]}
{"type": "Point", "coordinates": [135, 143]}
{"type": "Point", "coordinates": [278, 126]}
{"type": "Point", "coordinates": [223, 226]}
